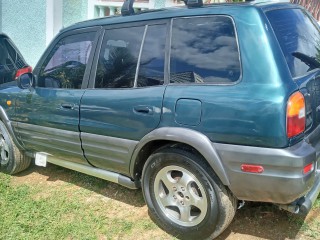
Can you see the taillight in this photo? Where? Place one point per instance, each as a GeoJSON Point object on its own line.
{"type": "Point", "coordinates": [308, 168]}
{"type": "Point", "coordinates": [296, 115]}
{"type": "Point", "coordinates": [23, 71]}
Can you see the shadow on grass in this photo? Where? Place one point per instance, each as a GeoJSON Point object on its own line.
{"type": "Point", "coordinates": [265, 221]}
{"type": "Point", "coordinates": [107, 189]}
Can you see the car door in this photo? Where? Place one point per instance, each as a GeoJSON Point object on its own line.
{"type": "Point", "coordinates": [125, 101]}
{"type": "Point", "coordinates": [47, 116]}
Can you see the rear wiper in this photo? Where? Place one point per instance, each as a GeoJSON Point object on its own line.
{"type": "Point", "coordinates": [312, 62]}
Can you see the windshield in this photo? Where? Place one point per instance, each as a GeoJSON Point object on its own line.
{"type": "Point", "coordinates": [299, 38]}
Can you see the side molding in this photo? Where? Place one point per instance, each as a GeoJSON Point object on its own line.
{"type": "Point", "coordinates": [187, 136]}
{"type": "Point", "coordinates": [4, 118]}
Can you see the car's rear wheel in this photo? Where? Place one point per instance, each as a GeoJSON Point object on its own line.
{"type": "Point", "coordinates": [11, 159]}
{"type": "Point", "coordinates": [184, 196]}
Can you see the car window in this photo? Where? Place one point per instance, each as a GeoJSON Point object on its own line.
{"type": "Point", "coordinates": [13, 57]}
{"type": "Point", "coordinates": [10, 61]}
{"type": "Point", "coordinates": [3, 53]}
{"type": "Point", "coordinates": [118, 57]}
{"type": "Point", "coordinates": [9, 56]}
{"type": "Point", "coordinates": [66, 64]}
{"type": "Point", "coordinates": [151, 69]}
{"type": "Point", "coordinates": [299, 39]}
{"type": "Point", "coordinates": [204, 50]}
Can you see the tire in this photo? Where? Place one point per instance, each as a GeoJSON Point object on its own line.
{"type": "Point", "coordinates": [184, 196]}
{"type": "Point", "coordinates": [12, 160]}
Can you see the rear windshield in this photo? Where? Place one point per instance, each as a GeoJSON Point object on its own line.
{"type": "Point", "coordinates": [299, 38]}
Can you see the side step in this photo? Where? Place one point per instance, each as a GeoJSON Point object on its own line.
{"type": "Point", "coordinates": [96, 172]}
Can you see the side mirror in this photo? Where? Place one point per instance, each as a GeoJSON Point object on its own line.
{"type": "Point", "coordinates": [25, 81]}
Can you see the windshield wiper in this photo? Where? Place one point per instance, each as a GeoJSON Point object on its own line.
{"type": "Point", "coordinates": [312, 62]}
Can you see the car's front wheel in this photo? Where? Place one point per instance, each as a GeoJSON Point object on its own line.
{"type": "Point", "coordinates": [184, 196]}
{"type": "Point", "coordinates": [11, 159]}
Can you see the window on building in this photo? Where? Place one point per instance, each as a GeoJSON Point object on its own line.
{"type": "Point", "coordinates": [118, 57]}
{"type": "Point", "coordinates": [151, 70]}
{"type": "Point", "coordinates": [204, 50]}
{"type": "Point", "coordinates": [66, 64]}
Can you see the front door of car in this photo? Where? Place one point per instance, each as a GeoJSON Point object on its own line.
{"type": "Point", "coordinates": [47, 116]}
{"type": "Point", "coordinates": [125, 99]}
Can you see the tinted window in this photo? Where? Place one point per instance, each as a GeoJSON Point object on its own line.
{"type": "Point", "coordinates": [3, 67]}
{"type": "Point", "coordinates": [118, 58]}
{"type": "Point", "coordinates": [9, 56]}
{"type": "Point", "coordinates": [298, 36]}
{"type": "Point", "coordinates": [14, 60]}
{"type": "Point", "coordinates": [10, 61]}
{"type": "Point", "coordinates": [66, 64]}
{"type": "Point", "coordinates": [204, 50]}
{"type": "Point", "coordinates": [151, 71]}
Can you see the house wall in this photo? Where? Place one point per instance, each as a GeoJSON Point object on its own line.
{"type": "Point", "coordinates": [25, 23]}
{"type": "Point", "coordinates": [74, 11]}
{"type": "Point", "coordinates": [32, 24]}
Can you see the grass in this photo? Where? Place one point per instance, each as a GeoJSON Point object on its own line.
{"type": "Point", "coordinates": [56, 203]}
{"type": "Point", "coordinates": [317, 203]}
{"type": "Point", "coordinates": [65, 211]}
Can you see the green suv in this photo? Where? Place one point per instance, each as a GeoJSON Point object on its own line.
{"type": "Point", "coordinates": [200, 106]}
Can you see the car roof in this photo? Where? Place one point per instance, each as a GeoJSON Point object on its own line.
{"type": "Point", "coordinates": [2, 35]}
{"type": "Point", "coordinates": [180, 11]}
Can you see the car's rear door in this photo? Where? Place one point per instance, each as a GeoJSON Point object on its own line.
{"type": "Point", "coordinates": [124, 102]}
{"type": "Point", "coordinates": [47, 117]}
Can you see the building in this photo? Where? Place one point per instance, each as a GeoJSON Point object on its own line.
{"type": "Point", "coordinates": [313, 6]}
{"type": "Point", "coordinates": [32, 24]}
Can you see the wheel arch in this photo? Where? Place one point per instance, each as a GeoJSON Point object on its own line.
{"type": "Point", "coordinates": [5, 119]}
{"type": "Point", "coordinates": [172, 135]}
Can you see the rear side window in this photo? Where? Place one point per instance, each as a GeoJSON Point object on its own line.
{"type": "Point", "coordinates": [299, 38]}
{"type": "Point", "coordinates": [66, 64]}
{"type": "Point", "coordinates": [118, 58]}
{"type": "Point", "coordinates": [128, 51]}
{"type": "Point", "coordinates": [151, 70]}
{"type": "Point", "coordinates": [204, 50]}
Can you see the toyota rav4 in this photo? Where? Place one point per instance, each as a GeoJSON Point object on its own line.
{"type": "Point", "coordinates": [200, 106]}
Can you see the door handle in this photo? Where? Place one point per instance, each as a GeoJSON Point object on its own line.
{"type": "Point", "coordinates": [143, 110]}
{"type": "Point", "coordinates": [67, 106]}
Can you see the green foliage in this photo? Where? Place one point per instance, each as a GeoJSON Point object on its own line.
{"type": "Point", "coordinates": [53, 217]}
{"type": "Point", "coordinates": [317, 203]}
{"type": "Point", "coordinates": [83, 207]}
{"type": "Point", "coordinates": [63, 212]}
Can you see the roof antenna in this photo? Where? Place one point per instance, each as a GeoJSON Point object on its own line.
{"type": "Point", "coordinates": [193, 3]}
{"type": "Point", "coordinates": [127, 8]}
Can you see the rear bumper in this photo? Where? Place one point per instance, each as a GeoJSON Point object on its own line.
{"type": "Point", "coordinates": [307, 201]}
{"type": "Point", "coordinates": [282, 181]}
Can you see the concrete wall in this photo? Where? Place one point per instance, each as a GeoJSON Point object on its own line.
{"type": "Point", "coordinates": [25, 22]}
{"type": "Point", "coordinates": [74, 11]}
{"type": "Point", "coordinates": [160, 3]}
{"type": "Point", "coordinates": [32, 24]}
